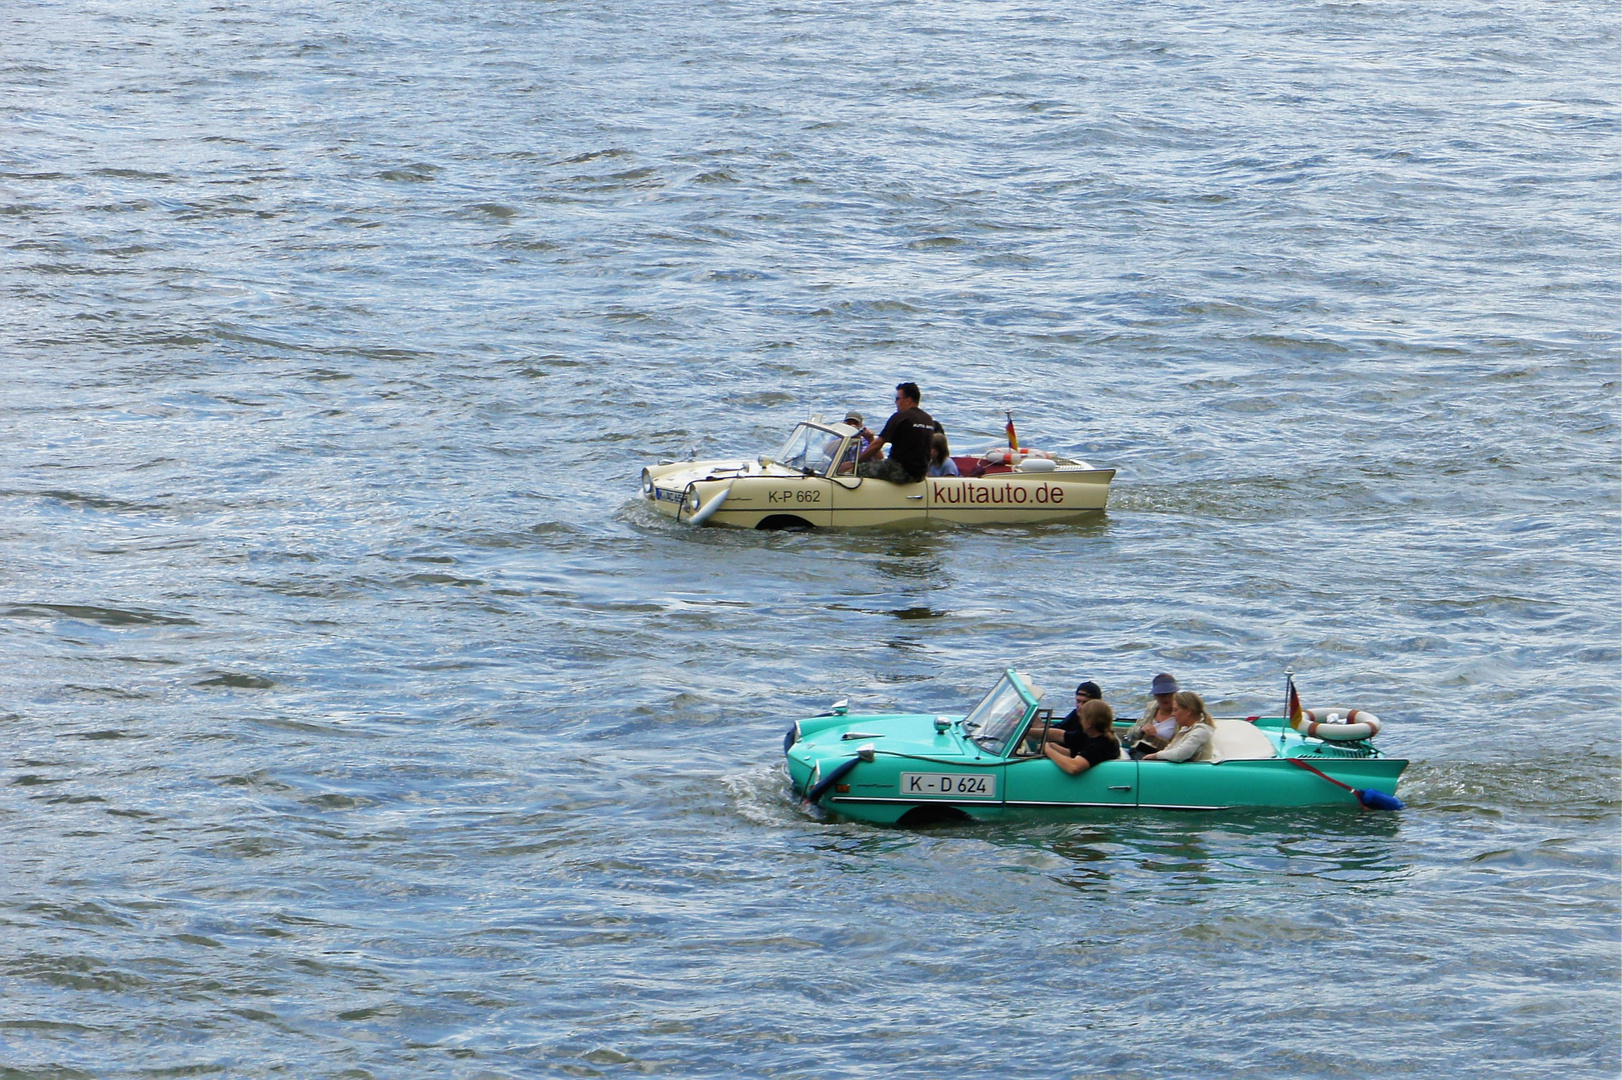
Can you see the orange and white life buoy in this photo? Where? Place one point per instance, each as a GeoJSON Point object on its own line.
{"type": "Point", "coordinates": [1340, 725]}
{"type": "Point", "coordinates": [1002, 455]}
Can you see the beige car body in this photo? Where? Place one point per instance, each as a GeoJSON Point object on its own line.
{"type": "Point", "coordinates": [813, 491]}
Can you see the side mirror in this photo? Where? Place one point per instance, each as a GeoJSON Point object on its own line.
{"type": "Point", "coordinates": [840, 707]}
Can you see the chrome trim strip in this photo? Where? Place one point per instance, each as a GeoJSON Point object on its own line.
{"type": "Point", "coordinates": [873, 798]}
{"type": "Point", "coordinates": [991, 802]}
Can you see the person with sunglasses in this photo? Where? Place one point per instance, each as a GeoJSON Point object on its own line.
{"type": "Point", "coordinates": [907, 433]}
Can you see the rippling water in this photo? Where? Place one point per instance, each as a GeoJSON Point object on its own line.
{"type": "Point", "coordinates": [361, 721]}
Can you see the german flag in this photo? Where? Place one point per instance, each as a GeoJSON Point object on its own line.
{"type": "Point", "coordinates": [1294, 705]}
{"type": "Point", "coordinates": [1013, 440]}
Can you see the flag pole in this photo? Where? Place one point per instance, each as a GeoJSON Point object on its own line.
{"type": "Point", "coordinates": [1289, 696]}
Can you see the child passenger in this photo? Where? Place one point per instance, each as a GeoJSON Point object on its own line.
{"type": "Point", "coordinates": [1094, 743]}
{"type": "Point", "coordinates": [940, 456]}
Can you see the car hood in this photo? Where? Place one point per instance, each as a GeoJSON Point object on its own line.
{"type": "Point", "coordinates": [681, 473]}
{"type": "Point", "coordinates": [907, 734]}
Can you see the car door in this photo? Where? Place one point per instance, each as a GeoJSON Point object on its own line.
{"type": "Point", "coordinates": [865, 501]}
{"type": "Point", "coordinates": [1038, 782]}
{"type": "Point", "coordinates": [1187, 785]}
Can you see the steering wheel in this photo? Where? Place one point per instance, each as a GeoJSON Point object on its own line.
{"type": "Point", "coordinates": [1040, 737]}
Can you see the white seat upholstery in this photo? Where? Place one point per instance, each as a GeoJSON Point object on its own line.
{"type": "Point", "coordinates": [1237, 740]}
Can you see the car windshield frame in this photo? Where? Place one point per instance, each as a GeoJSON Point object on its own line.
{"type": "Point", "coordinates": [800, 447]}
{"type": "Point", "coordinates": [995, 723]}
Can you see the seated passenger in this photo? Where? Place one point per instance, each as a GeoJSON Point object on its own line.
{"type": "Point", "coordinates": [1093, 744]}
{"type": "Point", "coordinates": [1195, 728]}
{"type": "Point", "coordinates": [855, 450]}
{"type": "Point", "coordinates": [940, 456]}
{"type": "Point", "coordinates": [863, 436]}
{"type": "Point", "coordinates": [1157, 726]}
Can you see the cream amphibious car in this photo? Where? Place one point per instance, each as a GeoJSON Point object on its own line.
{"type": "Point", "coordinates": [812, 482]}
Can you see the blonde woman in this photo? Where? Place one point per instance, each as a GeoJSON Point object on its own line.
{"type": "Point", "coordinates": [1192, 739]}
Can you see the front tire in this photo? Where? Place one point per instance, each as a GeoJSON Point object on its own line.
{"type": "Point", "coordinates": [929, 817]}
{"type": "Point", "coordinates": [784, 522]}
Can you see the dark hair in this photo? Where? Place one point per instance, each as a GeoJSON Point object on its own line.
{"type": "Point", "coordinates": [910, 389]}
{"type": "Point", "coordinates": [937, 444]}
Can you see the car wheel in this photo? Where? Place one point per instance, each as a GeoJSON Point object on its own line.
{"type": "Point", "coordinates": [784, 521]}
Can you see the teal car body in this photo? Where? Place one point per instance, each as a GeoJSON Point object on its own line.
{"type": "Point", "coordinates": [904, 768]}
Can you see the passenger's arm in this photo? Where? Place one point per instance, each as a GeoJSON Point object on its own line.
{"type": "Point", "coordinates": [1074, 764]}
{"type": "Point", "coordinates": [1031, 741]}
{"type": "Point", "coordinates": [873, 449]}
{"type": "Point", "coordinates": [1185, 746]}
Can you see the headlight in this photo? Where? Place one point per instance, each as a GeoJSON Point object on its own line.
{"type": "Point", "coordinates": [647, 482]}
{"type": "Point", "coordinates": [693, 496]}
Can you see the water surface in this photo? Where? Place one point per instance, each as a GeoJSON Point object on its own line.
{"type": "Point", "coordinates": [361, 721]}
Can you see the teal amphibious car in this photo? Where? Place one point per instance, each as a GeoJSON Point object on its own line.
{"type": "Point", "coordinates": [913, 769]}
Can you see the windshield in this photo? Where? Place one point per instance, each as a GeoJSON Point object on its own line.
{"type": "Point", "coordinates": [810, 448]}
{"type": "Point", "coordinates": [1000, 715]}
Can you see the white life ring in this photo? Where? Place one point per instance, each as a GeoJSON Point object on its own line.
{"type": "Point", "coordinates": [1003, 455]}
{"type": "Point", "coordinates": [1339, 725]}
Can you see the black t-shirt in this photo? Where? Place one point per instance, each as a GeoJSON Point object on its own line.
{"type": "Point", "coordinates": [1069, 723]}
{"type": "Point", "coordinates": [908, 432]}
{"type": "Point", "coordinates": [1095, 748]}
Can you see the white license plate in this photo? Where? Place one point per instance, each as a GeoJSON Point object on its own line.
{"type": "Point", "coordinates": [949, 785]}
{"type": "Point", "coordinates": [660, 493]}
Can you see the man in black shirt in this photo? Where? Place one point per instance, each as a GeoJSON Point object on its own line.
{"type": "Point", "coordinates": [907, 432]}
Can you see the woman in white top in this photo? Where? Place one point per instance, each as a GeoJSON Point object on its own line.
{"type": "Point", "coordinates": [1158, 725]}
{"type": "Point", "coordinates": [1195, 728]}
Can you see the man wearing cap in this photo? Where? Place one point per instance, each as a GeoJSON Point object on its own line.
{"type": "Point", "coordinates": [864, 436]}
{"type": "Point", "coordinates": [1087, 691]}
{"type": "Point", "coordinates": [1158, 725]}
